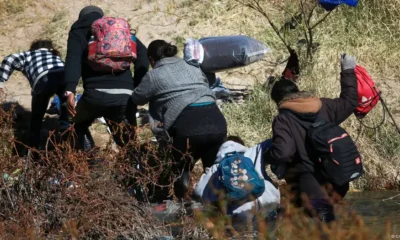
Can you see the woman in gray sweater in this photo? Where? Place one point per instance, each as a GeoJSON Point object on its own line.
{"type": "Point", "coordinates": [181, 101]}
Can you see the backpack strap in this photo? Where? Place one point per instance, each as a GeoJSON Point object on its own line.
{"type": "Point", "coordinates": [258, 151]}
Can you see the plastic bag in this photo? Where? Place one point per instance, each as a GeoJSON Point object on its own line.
{"type": "Point", "coordinates": [329, 5]}
{"type": "Point", "coordinates": [193, 52]}
{"type": "Point", "coordinates": [228, 52]}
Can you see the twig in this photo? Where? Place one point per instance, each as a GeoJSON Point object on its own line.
{"type": "Point", "coordinates": [255, 5]}
{"type": "Point", "coordinates": [11, 218]}
{"type": "Point", "coordinates": [321, 20]}
{"type": "Point", "coordinates": [8, 195]}
{"type": "Point", "coordinates": [391, 198]}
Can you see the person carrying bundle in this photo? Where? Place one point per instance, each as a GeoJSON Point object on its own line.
{"type": "Point", "coordinates": [183, 108]}
{"type": "Point", "coordinates": [315, 156]}
{"type": "Point", "coordinates": [101, 51]}
{"type": "Point", "coordinates": [44, 69]}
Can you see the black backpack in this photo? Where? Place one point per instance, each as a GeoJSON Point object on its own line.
{"type": "Point", "coordinates": [334, 151]}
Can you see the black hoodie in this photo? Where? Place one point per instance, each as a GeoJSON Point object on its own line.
{"type": "Point", "coordinates": [288, 140]}
{"type": "Point", "coordinates": [76, 65]}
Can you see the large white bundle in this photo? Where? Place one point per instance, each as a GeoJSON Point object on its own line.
{"type": "Point", "coordinates": [228, 52]}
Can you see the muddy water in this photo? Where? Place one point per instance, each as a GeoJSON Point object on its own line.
{"type": "Point", "coordinates": [375, 208]}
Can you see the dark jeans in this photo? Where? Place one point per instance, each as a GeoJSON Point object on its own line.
{"type": "Point", "coordinates": [87, 112]}
{"type": "Point", "coordinates": [51, 84]}
{"type": "Point", "coordinates": [318, 192]}
{"type": "Point", "coordinates": [197, 133]}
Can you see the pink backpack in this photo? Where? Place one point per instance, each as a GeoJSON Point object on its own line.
{"type": "Point", "coordinates": [112, 47]}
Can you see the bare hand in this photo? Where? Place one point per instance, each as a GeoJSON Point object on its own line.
{"type": "Point", "coordinates": [71, 104]}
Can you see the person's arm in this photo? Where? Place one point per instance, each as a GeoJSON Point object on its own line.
{"type": "Point", "coordinates": [9, 64]}
{"type": "Point", "coordinates": [141, 66]}
{"type": "Point", "coordinates": [283, 147]}
{"type": "Point", "coordinates": [73, 62]}
{"type": "Point", "coordinates": [339, 109]}
{"type": "Point", "coordinates": [144, 92]}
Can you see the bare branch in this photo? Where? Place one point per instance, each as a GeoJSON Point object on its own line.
{"type": "Point", "coordinates": [321, 20]}
{"type": "Point", "coordinates": [255, 5]}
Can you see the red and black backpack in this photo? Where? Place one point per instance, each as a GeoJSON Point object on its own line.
{"type": "Point", "coordinates": [332, 150]}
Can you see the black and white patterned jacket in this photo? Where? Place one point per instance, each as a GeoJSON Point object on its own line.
{"type": "Point", "coordinates": [33, 64]}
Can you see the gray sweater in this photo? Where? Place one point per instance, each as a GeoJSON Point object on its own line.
{"type": "Point", "coordinates": [171, 86]}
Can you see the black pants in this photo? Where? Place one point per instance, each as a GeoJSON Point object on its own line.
{"type": "Point", "coordinates": [87, 112]}
{"type": "Point", "coordinates": [51, 84]}
{"type": "Point", "coordinates": [197, 133]}
{"type": "Point", "coordinates": [200, 131]}
{"type": "Point", "coordinates": [314, 192]}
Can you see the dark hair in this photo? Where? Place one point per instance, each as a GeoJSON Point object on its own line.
{"type": "Point", "coordinates": [234, 139]}
{"type": "Point", "coordinates": [282, 88]}
{"type": "Point", "coordinates": [159, 49]}
{"type": "Point", "coordinates": [37, 44]}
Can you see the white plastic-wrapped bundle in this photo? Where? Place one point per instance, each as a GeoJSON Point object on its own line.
{"type": "Point", "coordinates": [193, 52]}
{"type": "Point", "coordinates": [228, 52]}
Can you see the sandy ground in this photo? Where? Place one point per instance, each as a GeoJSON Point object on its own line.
{"type": "Point", "coordinates": [147, 17]}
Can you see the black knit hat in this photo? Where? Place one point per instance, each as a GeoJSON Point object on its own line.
{"type": "Point", "coordinates": [90, 9]}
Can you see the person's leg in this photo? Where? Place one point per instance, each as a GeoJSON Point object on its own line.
{"type": "Point", "coordinates": [85, 115]}
{"type": "Point", "coordinates": [39, 107]}
{"type": "Point", "coordinates": [54, 84]}
{"type": "Point", "coordinates": [184, 153]}
{"type": "Point", "coordinates": [311, 194]}
{"type": "Point", "coordinates": [115, 118]}
{"type": "Point", "coordinates": [209, 148]}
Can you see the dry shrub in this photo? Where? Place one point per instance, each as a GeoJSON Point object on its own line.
{"type": "Point", "coordinates": [368, 32]}
{"type": "Point", "coordinates": [70, 197]}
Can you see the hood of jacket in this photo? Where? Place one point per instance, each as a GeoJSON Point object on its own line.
{"type": "Point", "coordinates": [86, 21]}
{"type": "Point", "coordinates": [228, 147]}
{"type": "Point", "coordinates": [304, 104]}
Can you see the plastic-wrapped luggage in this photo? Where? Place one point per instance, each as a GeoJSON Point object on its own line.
{"type": "Point", "coordinates": [193, 52]}
{"type": "Point", "coordinates": [228, 52]}
{"type": "Point", "coordinates": [329, 5]}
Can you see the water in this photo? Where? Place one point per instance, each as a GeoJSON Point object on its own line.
{"type": "Point", "coordinates": [376, 209]}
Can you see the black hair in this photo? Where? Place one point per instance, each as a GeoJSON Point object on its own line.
{"type": "Point", "coordinates": [37, 44]}
{"type": "Point", "coordinates": [234, 139]}
{"type": "Point", "coordinates": [282, 88]}
{"type": "Point", "coordinates": [159, 49]}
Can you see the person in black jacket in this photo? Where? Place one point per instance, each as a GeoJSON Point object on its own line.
{"type": "Point", "coordinates": [105, 94]}
{"type": "Point", "coordinates": [289, 157]}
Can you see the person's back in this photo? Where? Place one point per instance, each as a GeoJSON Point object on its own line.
{"type": "Point", "coordinates": [290, 156]}
{"type": "Point", "coordinates": [177, 83]}
{"type": "Point", "coordinates": [209, 188]}
{"type": "Point", "coordinates": [183, 110]}
{"type": "Point", "coordinates": [106, 94]}
{"type": "Point", "coordinates": [118, 85]}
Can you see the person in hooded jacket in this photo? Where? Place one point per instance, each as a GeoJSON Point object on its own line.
{"type": "Point", "coordinates": [105, 94]}
{"type": "Point", "coordinates": [290, 158]}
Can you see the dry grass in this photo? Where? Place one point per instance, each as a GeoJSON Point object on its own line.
{"type": "Point", "coordinates": [361, 31]}
{"type": "Point", "coordinates": [101, 208]}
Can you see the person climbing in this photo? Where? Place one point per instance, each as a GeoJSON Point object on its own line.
{"type": "Point", "coordinates": [184, 108]}
{"type": "Point", "coordinates": [44, 69]}
{"type": "Point", "coordinates": [291, 156]}
{"type": "Point", "coordinates": [211, 191]}
{"type": "Point", "coordinates": [106, 93]}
